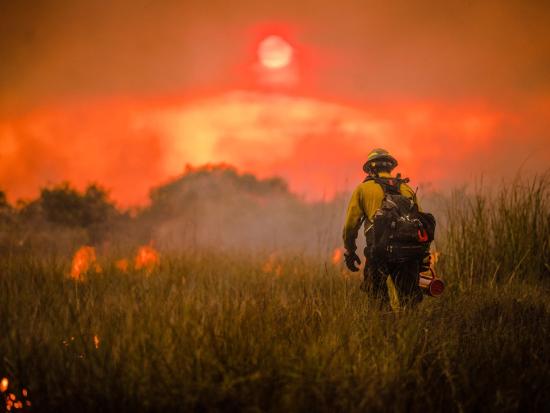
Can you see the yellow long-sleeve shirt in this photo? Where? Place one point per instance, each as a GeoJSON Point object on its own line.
{"type": "Point", "coordinates": [365, 201]}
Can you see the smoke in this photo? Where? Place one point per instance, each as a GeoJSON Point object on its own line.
{"type": "Point", "coordinates": [62, 50]}
{"type": "Point", "coordinates": [117, 95]}
{"type": "Point", "coordinates": [81, 145]}
{"type": "Point", "coordinates": [317, 146]}
{"type": "Point", "coordinates": [208, 208]}
{"type": "Point", "coordinates": [218, 207]}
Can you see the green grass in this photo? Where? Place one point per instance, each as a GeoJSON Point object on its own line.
{"type": "Point", "coordinates": [221, 334]}
{"type": "Point", "coordinates": [211, 331]}
{"type": "Point", "coordinates": [496, 236]}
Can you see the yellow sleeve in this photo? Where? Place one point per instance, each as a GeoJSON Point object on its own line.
{"type": "Point", "coordinates": [354, 218]}
{"type": "Point", "coordinates": [373, 196]}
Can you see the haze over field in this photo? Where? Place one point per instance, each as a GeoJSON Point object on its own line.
{"type": "Point", "coordinates": [128, 98]}
{"type": "Point", "coordinates": [174, 176]}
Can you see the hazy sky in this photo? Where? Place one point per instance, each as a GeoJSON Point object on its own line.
{"type": "Point", "coordinates": [51, 50]}
{"type": "Point", "coordinates": [461, 62]}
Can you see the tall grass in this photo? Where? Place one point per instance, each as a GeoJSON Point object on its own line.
{"type": "Point", "coordinates": [211, 332]}
{"type": "Point", "coordinates": [498, 236]}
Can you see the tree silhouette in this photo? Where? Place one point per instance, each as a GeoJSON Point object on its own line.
{"type": "Point", "coordinates": [65, 206]}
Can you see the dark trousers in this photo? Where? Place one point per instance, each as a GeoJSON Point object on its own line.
{"type": "Point", "coordinates": [404, 276]}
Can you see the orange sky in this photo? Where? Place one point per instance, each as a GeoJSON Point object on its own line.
{"type": "Point", "coordinates": [129, 94]}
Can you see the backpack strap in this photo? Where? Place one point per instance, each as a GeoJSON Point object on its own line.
{"type": "Point", "coordinates": [389, 185]}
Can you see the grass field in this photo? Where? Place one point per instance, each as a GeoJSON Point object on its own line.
{"type": "Point", "coordinates": [216, 331]}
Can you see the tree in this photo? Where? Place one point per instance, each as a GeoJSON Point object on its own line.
{"type": "Point", "coordinates": [92, 210]}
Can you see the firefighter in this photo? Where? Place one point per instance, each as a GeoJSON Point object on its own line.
{"type": "Point", "coordinates": [365, 202]}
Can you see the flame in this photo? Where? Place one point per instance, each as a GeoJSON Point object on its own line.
{"type": "Point", "coordinates": [434, 257]}
{"type": "Point", "coordinates": [337, 255]}
{"type": "Point", "coordinates": [122, 265]}
{"type": "Point", "coordinates": [4, 383]}
{"type": "Point", "coordinates": [270, 263]}
{"type": "Point", "coordinates": [271, 266]}
{"type": "Point", "coordinates": [96, 341]}
{"type": "Point", "coordinates": [147, 258]}
{"type": "Point", "coordinates": [84, 261]}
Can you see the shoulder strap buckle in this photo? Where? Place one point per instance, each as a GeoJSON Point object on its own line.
{"type": "Point", "coordinates": [390, 185]}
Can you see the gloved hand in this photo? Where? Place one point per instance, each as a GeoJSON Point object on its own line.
{"type": "Point", "coordinates": [351, 258]}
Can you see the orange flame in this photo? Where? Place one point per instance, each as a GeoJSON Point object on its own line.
{"type": "Point", "coordinates": [272, 267]}
{"type": "Point", "coordinates": [4, 384]}
{"type": "Point", "coordinates": [96, 341]}
{"type": "Point", "coordinates": [268, 265]}
{"type": "Point", "coordinates": [434, 257]}
{"type": "Point", "coordinates": [337, 255]}
{"type": "Point", "coordinates": [84, 261]}
{"type": "Point", "coordinates": [147, 258]}
{"type": "Point", "coordinates": [122, 265]}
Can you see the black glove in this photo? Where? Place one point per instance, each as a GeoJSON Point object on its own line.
{"type": "Point", "coordinates": [352, 258]}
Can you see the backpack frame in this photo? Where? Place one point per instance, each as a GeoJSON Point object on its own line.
{"type": "Point", "coordinates": [399, 232]}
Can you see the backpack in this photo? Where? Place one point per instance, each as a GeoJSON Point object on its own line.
{"type": "Point", "coordinates": [399, 231]}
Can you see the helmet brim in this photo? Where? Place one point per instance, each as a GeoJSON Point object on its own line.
{"type": "Point", "coordinates": [380, 157]}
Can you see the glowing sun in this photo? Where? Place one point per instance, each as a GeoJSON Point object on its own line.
{"type": "Point", "coordinates": [275, 53]}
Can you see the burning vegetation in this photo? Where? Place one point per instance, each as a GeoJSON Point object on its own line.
{"type": "Point", "coordinates": [254, 325]}
{"type": "Point", "coordinates": [147, 259]}
{"type": "Point", "coordinates": [13, 401]}
{"type": "Point", "coordinates": [84, 262]}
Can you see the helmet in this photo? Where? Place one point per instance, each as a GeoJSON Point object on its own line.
{"type": "Point", "coordinates": [379, 157]}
